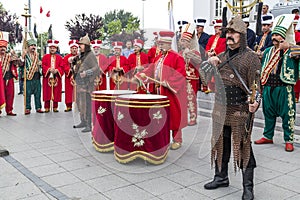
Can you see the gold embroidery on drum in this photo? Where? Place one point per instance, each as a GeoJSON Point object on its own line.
{"type": "Point", "coordinates": [101, 110]}
{"type": "Point", "coordinates": [138, 137]}
{"type": "Point", "coordinates": [157, 116]}
{"type": "Point", "coordinates": [120, 116]}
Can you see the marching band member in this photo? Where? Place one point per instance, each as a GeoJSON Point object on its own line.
{"type": "Point", "coordinates": [137, 61]}
{"type": "Point", "coordinates": [118, 67]}
{"type": "Point", "coordinates": [264, 41]}
{"type": "Point", "coordinates": [33, 78]}
{"type": "Point", "coordinates": [69, 76]}
{"type": "Point", "coordinates": [152, 53]}
{"type": "Point", "coordinates": [214, 47]}
{"type": "Point", "coordinates": [192, 60]}
{"type": "Point", "coordinates": [9, 72]}
{"type": "Point", "coordinates": [154, 50]}
{"type": "Point", "coordinates": [168, 71]}
{"type": "Point", "coordinates": [103, 65]}
{"type": "Point", "coordinates": [280, 71]}
{"type": "Point", "coordinates": [2, 93]}
{"type": "Point", "coordinates": [52, 65]}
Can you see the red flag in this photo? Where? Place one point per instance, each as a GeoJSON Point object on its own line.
{"type": "Point", "coordinates": [41, 9]}
{"type": "Point", "coordinates": [48, 14]}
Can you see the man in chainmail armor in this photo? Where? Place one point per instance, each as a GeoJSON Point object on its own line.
{"type": "Point", "coordinates": [235, 71]}
{"type": "Point", "coordinates": [85, 71]}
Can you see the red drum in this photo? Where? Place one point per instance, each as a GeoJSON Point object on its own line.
{"type": "Point", "coordinates": [142, 128]}
{"type": "Point", "coordinates": [103, 103]}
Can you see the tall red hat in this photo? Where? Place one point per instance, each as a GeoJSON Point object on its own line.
{"type": "Point", "coordinates": [96, 43]}
{"type": "Point", "coordinates": [117, 45]}
{"type": "Point", "coordinates": [166, 36]}
{"type": "Point", "coordinates": [52, 43]}
{"type": "Point", "coordinates": [217, 22]}
{"type": "Point", "coordinates": [188, 31]}
{"type": "Point", "coordinates": [73, 43]}
{"type": "Point", "coordinates": [138, 42]}
{"type": "Point", "coordinates": [3, 39]}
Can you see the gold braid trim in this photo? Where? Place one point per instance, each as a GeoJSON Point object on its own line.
{"type": "Point", "coordinates": [143, 155]}
{"type": "Point", "coordinates": [5, 64]}
{"type": "Point", "coordinates": [139, 102]}
{"type": "Point", "coordinates": [291, 112]}
{"type": "Point", "coordinates": [135, 106]}
{"type": "Point", "coordinates": [2, 106]}
{"type": "Point", "coordinates": [103, 147]}
{"type": "Point", "coordinates": [34, 67]}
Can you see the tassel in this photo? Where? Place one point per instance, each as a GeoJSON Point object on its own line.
{"type": "Point", "coordinates": [50, 36]}
{"type": "Point", "coordinates": [258, 20]}
{"type": "Point", "coordinates": [17, 31]}
{"type": "Point", "coordinates": [36, 35]}
{"type": "Point", "coordinates": [224, 22]}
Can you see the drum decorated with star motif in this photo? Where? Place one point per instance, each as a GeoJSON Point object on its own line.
{"type": "Point", "coordinates": [103, 103]}
{"type": "Point", "coordinates": [142, 128]}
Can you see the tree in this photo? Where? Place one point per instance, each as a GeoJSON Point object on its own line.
{"type": "Point", "coordinates": [8, 23]}
{"type": "Point", "coordinates": [120, 26]}
{"type": "Point", "coordinates": [83, 24]}
{"type": "Point", "coordinates": [125, 36]}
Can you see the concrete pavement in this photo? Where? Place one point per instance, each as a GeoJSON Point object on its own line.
{"type": "Point", "coordinates": [51, 160]}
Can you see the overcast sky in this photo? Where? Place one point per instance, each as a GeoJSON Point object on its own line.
{"type": "Point", "coordinates": [155, 12]}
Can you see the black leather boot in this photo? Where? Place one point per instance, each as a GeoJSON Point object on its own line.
{"type": "Point", "coordinates": [248, 184]}
{"type": "Point", "coordinates": [220, 179]}
{"type": "Point", "coordinates": [217, 182]}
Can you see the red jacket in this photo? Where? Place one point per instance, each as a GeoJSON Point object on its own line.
{"type": "Point", "coordinates": [173, 72]}
{"type": "Point", "coordinates": [2, 94]}
{"type": "Point", "coordinates": [57, 87]}
{"type": "Point", "coordinates": [220, 47]}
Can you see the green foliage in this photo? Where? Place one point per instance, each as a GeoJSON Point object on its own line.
{"type": "Point", "coordinates": [113, 27]}
{"type": "Point", "coordinates": [132, 25]}
{"type": "Point", "coordinates": [120, 26]}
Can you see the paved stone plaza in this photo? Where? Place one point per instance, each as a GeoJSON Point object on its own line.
{"type": "Point", "coordinates": [51, 160]}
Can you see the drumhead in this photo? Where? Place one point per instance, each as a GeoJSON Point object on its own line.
{"type": "Point", "coordinates": [114, 92]}
{"type": "Point", "coordinates": [142, 96]}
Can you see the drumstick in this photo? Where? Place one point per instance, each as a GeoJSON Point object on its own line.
{"type": "Point", "coordinates": [158, 82]}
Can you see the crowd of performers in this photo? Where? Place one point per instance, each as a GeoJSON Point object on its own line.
{"type": "Point", "coordinates": [229, 66]}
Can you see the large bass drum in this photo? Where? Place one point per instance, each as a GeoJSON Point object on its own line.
{"type": "Point", "coordinates": [103, 103]}
{"type": "Point", "coordinates": [142, 128]}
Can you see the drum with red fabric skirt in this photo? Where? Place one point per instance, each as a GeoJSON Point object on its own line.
{"type": "Point", "coordinates": [142, 128]}
{"type": "Point", "coordinates": [103, 103]}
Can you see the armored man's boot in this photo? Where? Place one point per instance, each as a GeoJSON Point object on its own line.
{"type": "Point", "coordinates": [220, 179]}
{"type": "Point", "coordinates": [248, 184]}
{"type": "Point", "coordinates": [88, 126]}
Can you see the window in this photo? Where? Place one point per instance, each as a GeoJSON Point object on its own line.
{"type": "Point", "coordinates": [219, 8]}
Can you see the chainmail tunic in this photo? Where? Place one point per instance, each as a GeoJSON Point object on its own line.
{"type": "Point", "coordinates": [247, 63]}
{"type": "Point", "coordinates": [87, 62]}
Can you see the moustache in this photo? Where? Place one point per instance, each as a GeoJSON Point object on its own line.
{"type": "Point", "coordinates": [230, 38]}
{"type": "Point", "coordinates": [276, 40]}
